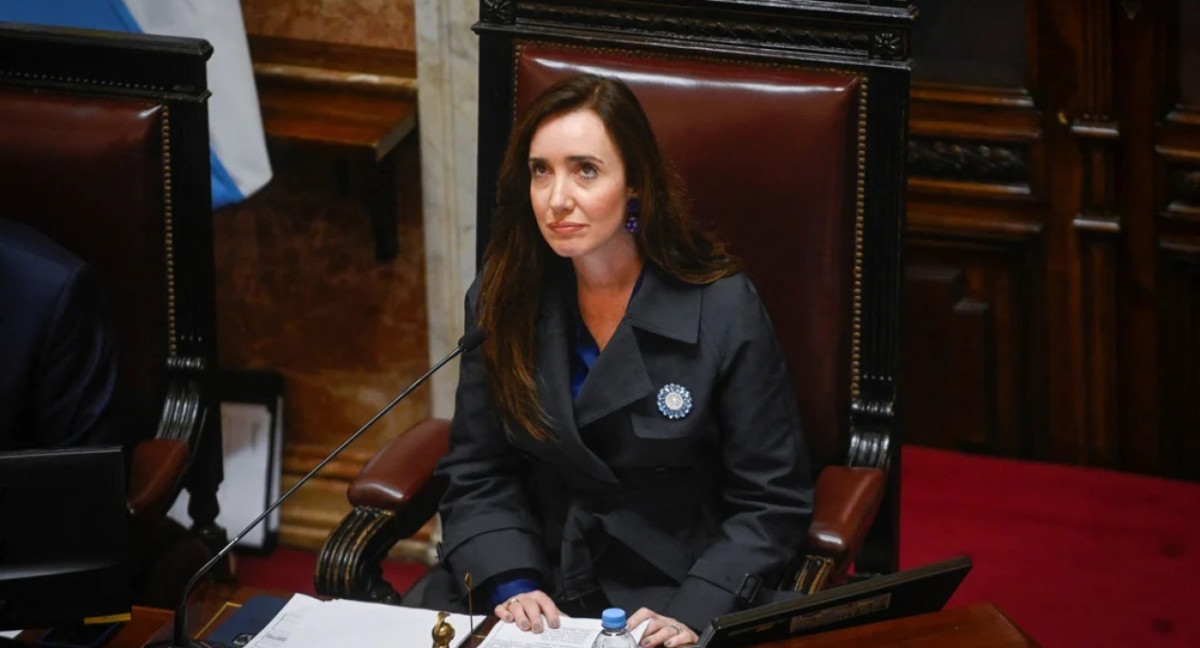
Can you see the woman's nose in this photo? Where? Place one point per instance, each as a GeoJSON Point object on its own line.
{"type": "Point", "coordinates": [560, 198]}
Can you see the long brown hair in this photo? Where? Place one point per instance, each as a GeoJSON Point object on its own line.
{"type": "Point", "coordinates": [518, 259]}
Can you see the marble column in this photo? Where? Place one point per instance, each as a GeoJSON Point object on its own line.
{"type": "Point", "coordinates": [447, 71]}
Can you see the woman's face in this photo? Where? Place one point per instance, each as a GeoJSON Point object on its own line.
{"type": "Point", "coordinates": [577, 187]}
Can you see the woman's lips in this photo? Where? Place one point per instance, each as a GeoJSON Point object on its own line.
{"type": "Point", "coordinates": [566, 228]}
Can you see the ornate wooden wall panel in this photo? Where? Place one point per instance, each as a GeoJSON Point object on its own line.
{"type": "Point", "coordinates": [967, 344]}
{"type": "Point", "coordinates": [1172, 164]}
{"type": "Point", "coordinates": [1180, 344]}
{"type": "Point", "coordinates": [978, 179]}
{"type": "Point", "coordinates": [1070, 130]}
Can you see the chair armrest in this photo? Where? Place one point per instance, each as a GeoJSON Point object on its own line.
{"type": "Point", "coordinates": [402, 468]}
{"type": "Point", "coordinates": [393, 496]}
{"type": "Point", "coordinates": [155, 471]}
{"type": "Point", "coordinates": [847, 499]}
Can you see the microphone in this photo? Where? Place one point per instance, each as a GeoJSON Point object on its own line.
{"type": "Point", "coordinates": [179, 637]}
{"type": "Point", "coordinates": [470, 601]}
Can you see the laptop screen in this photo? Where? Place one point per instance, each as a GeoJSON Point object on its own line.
{"type": "Point", "coordinates": [905, 593]}
{"type": "Point", "coordinates": [64, 537]}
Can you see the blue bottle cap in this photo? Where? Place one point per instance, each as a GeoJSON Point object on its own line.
{"type": "Point", "coordinates": [612, 618]}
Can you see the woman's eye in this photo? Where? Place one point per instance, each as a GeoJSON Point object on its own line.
{"type": "Point", "coordinates": [537, 170]}
{"type": "Point", "coordinates": [588, 171]}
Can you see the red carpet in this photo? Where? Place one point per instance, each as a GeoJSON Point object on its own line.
{"type": "Point", "coordinates": [293, 570]}
{"type": "Point", "coordinates": [1075, 556]}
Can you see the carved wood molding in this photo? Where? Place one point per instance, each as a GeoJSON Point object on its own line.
{"type": "Point", "coordinates": [987, 162]}
{"type": "Point", "coordinates": [1018, 98]}
{"type": "Point", "coordinates": [991, 224]}
{"type": "Point", "coordinates": [744, 31]}
{"type": "Point", "coordinates": [1183, 187]}
{"type": "Point", "coordinates": [884, 43]}
{"type": "Point", "coordinates": [869, 449]}
{"type": "Point", "coordinates": [1097, 221]}
{"type": "Point", "coordinates": [497, 11]}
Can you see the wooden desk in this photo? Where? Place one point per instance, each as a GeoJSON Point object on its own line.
{"type": "Point", "coordinates": [977, 626]}
{"type": "Point", "coordinates": [354, 103]}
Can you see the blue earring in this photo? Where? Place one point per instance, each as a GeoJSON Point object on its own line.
{"type": "Point", "coordinates": [632, 224]}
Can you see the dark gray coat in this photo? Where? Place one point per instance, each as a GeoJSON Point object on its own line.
{"type": "Point", "coordinates": [686, 516]}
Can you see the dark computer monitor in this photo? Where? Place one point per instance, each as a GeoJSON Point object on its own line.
{"type": "Point", "coordinates": [64, 538]}
{"type": "Point", "coordinates": [905, 593]}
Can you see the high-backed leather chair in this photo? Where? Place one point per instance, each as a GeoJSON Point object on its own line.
{"type": "Point", "coordinates": [104, 148]}
{"type": "Point", "coordinates": [787, 124]}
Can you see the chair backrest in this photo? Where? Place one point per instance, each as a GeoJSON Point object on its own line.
{"type": "Point", "coordinates": [787, 126]}
{"type": "Point", "coordinates": [104, 148]}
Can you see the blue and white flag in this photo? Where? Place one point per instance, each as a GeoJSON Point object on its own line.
{"type": "Point", "coordinates": [238, 148]}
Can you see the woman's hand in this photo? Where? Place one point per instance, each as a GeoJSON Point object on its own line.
{"type": "Point", "coordinates": [662, 630]}
{"type": "Point", "coordinates": [526, 610]}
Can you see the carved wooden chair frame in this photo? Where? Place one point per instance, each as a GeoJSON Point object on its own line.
{"type": "Point", "coordinates": [397, 491]}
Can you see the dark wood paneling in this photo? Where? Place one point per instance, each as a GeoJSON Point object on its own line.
{"type": "Point", "coordinates": [981, 42]}
{"type": "Point", "coordinates": [969, 357]}
{"type": "Point", "coordinates": [1189, 52]}
{"type": "Point", "coordinates": [1180, 335]}
{"type": "Point", "coordinates": [1086, 165]}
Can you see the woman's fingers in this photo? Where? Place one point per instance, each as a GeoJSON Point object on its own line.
{"type": "Point", "coordinates": [530, 611]}
{"type": "Point", "coordinates": [662, 630]}
{"type": "Point", "coordinates": [641, 615]}
{"type": "Point", "coordinates": [530, 615]}
{"type": "Point", "coordinates": [549, 610]}
{"type": "Point", "coordinates": [671, 635]}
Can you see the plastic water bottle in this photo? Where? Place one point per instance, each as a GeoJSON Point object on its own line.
{"type": "Point", "coordinates": [613, 633]}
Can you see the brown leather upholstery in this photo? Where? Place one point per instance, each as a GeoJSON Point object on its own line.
{"type": "Point", "coordinates": [847, 499]}
{"type": "Point", "coordinates": [397, 473]}
{"type": "Point", "coordinates": [154, 475]}
{"type": "Point", "coordinates": [88, 172]}
{"type": "Point", "coordinates": [767, 155]}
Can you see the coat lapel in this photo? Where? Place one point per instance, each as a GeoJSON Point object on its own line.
{"type": "Point", "coordinates": [661, 306]}
{"type": "Point", "coordinates": [554, 383]}
{"type": "Point", "coordinates": [619, 377]}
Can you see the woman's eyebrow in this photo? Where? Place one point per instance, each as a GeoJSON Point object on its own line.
{"type": "Point", "coordinates": [574, 159]}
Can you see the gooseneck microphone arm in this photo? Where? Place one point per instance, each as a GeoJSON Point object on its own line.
{"type": "Point", "coordinates": [179, 638]}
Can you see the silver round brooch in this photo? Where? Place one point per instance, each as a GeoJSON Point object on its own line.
{"type": "Point", "coordinates": [674, 401]}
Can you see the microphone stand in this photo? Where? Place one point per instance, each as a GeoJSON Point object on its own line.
{"type": "Point", "coordinates": [179, 637]}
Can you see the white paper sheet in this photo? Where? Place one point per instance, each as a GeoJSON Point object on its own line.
{"type": "Point", "coordinates": [279, 631]}
{"type": "Point", "coordinates": [250, 443]}
{"type": "Point", "coordinates": [571, 633]}
{"type": "Point", "coordinates": [306, 622]}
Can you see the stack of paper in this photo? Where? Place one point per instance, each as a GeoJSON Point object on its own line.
{"type": "Point", "coordinates": [306, 622]}
{"type": "Point", "coordinates": [571, 633]}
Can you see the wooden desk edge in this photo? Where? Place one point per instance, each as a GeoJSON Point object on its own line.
{"type": "Point", "coordinates": [980, 626]}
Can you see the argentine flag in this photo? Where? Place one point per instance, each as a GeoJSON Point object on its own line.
{"type": "Point", "coordinates": [237, 147]}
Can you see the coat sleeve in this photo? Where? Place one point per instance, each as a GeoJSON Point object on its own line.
{"type": "Point", "coordinates": [766, 481]}
{"type": "Point", "coordinates": [487, 528]}
{"type": "Point", "coordinates": [77, 373]}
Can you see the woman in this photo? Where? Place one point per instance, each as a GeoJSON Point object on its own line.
{"type": "Point", "coordinates": [627, 433]}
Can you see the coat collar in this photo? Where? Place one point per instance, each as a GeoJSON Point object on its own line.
{"type": "Point", "coordinates": [662, 306]}
{"type": "Point", "coordinates": [666, 307]}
